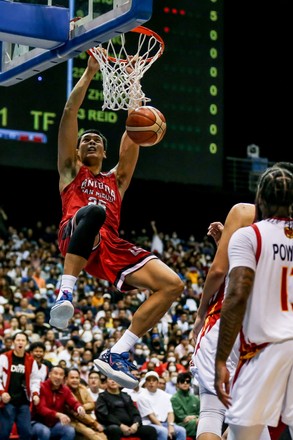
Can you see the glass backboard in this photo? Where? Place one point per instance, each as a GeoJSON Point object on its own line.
{"type": "Point", "coordinates": [26, 48]}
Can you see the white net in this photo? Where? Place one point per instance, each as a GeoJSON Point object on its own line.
{"type": "Point", "coordinates": [122, 72]}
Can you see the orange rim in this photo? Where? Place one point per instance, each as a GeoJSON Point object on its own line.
{"type": "Point", "coordinates": [148, 32]}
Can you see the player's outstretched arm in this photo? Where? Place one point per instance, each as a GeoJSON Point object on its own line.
{"type": "Point", "coordinates": [68, 128]}
{"type": "Point", "coordinates": [128, 157]}
{"type": "Point", "coordinates": [241, 214]}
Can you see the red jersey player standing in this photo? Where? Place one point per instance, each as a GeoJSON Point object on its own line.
{"type": "Point", "coordinates": [89, 238]}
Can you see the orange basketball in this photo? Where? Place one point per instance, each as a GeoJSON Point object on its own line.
{"type": "Point", "coordinates": [146, 126]}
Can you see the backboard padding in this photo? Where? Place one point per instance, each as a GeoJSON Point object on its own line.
{"type": "Point", "coordinates": [41, 26]}
{"type": "Point", "coordinates": [84, 34]}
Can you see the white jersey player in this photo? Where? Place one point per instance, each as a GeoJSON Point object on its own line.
{"type": "Point", "coordinates": [259, 303]}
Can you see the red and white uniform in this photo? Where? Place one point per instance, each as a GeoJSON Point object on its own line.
{"type": "Point", "coordinates": [32, 378]}
{"type": "Point", "coordinates": [262, 390]}
{"type": "Point", "coordinates": [113, 258]}
{"type": "Point", "coordinates": [206, 346]}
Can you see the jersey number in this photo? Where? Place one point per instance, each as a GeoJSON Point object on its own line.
{"type": "Point", "coordinates": [94, 201]}
{"type": "Point", "coordinates": [287, 289]}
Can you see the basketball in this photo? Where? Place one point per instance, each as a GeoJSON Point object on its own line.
{"type": "Point", "coordinates": [146, 126]}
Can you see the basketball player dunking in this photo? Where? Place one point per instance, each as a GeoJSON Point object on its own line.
{"type": "Point", "coordinates": [88, 234]}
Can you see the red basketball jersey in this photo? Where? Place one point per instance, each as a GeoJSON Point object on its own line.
{"type": "Point", "coordinates": [87, 189]}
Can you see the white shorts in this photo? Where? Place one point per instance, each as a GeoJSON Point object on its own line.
{"type": "Point", "coordinates": [263, 388]}
{"type": "Point", "coordinates": [204, 357]}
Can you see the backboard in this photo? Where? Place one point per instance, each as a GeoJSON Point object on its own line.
{"type": "Point", "coordinates": [34, 38]}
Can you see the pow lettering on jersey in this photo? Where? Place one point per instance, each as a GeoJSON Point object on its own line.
{"type": "Point", "coordinates": [285, 253]}
{"type": "Point", "coordinates": [135, 250]}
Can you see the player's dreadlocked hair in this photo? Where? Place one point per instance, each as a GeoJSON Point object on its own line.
{"type": "Point", "coordinates": [286, 165]}
{"type": "Point", "coordinates": [275, 189]}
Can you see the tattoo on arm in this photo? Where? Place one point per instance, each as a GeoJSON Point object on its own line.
{"type": "Point", "coordinates": [233, 309]}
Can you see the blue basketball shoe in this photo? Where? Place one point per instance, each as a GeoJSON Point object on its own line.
{"type": "Point", "coordinates": [117, 367]}
{"type": "Point", "coordinates": [62, 311]}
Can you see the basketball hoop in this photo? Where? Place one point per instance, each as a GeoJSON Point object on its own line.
{"type": "Point", "coordinates": [122, 72]}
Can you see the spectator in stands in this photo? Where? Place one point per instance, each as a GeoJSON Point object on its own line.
{"type": "Point", "coordinates": [162, 383]}
{"type": "Point", "coordinates": [98, 299]}
{"type": "Point", "coordinates": [193, 274]}
{"type": "Point", "coordinates": [75, 358]}
{"type": "Point", "coordinates": [176, 334]}
{"type": "Point", "coordinates": [100, 326]}
{"type": "Point", "coordinates": [120, 416]}
{"type": "Point", "coordinates": [37, 350]}
{"type": "Point", "coordinates": [66, 353]}
{"type": "Point", "coordinates": [28, 289]}
{"type": "Point", "coordinates": [3, 324]}
{"type": "Point", "coordinates": [52, 347]}
{"type": "Point", "coordinates": [185, 362]}
{"type": "Point", "coordinates": [44, 307]}
{"type": "Point", "coordinates": [50, 337]}
{"type": "Point", "coordinates": [52, 280]}
{"type": "Point", "coordinates": [199, 288]}
{"type": "Point", "coordinates": [103, 379]}
{"type": "Point", "coordinates": [98, 345]}
{"type": "Point", "coordinates": [13, 328]}
{"type": "Point", "coordinates": [105, 307]}
{"type": "Point", "coordinates": [86, 426]}
{"type": "Point", "coordinates": [184, 347]}
{"type": "Point", "coordinates": [157, 345]}
{"type": "Point", "coordinates": [34, 302]}
{"type": "Point", "coordinates": [133, 393]}
{"type": "Point", "coordinates": [183, 322]}
{"type": "Point", "coordinates": [25, 324]}
{"type": "Point", "coordinates": [156, 409]}
{"type": "Point", "coordinates": [17, 296]}
{"type": "Point", "coordinates": [40, 327]}
{"type": "Point", "coordinates": [29, 277]}
{"type": "Point", "coordinates": [138, 357]}
{"type": "Point", "coordinates": [190, 296]}
{"type": "Point", "coordinates": [86, 334]}
{"type": "Point", "coordinates": [25, 309]}
{"type": "Point", "coordinates": [87, 356]}
{"type": "Point", "coordinates": [185, 404]}
{"type": "Point", "coordinates": [171, 384]}
{"type": "Point", "coordinates": [157, 244]}
{"type": "Point", "coordinates": [19, 385]}
{"type": "Point", "coordinates": [37, 276]}
{"type": "Point", "coordinates": [74, 335]}
{"type": "Point", "coordinates": [8, 343]}
{"type": "Point", "coordinates": [8, 311]}
{"type": "Point", "coordinates": [94, 382]}
{"type": "Point", "coordinates": [49, 418]}
{"type": "Point", "coordinates": [171, 360]}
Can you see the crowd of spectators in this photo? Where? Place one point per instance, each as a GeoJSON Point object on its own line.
{"type": "Point", "coordinates": [30, 270]}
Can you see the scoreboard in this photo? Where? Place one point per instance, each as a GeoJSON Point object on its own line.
{"type": "Point", "coordinates": [185, 83]}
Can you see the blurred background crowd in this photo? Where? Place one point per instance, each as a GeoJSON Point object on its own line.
{"type": "Point", "coordinates": [30, 271]}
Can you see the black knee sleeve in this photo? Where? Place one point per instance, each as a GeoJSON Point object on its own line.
{"type": "Point", "coordinates": [89, 220]}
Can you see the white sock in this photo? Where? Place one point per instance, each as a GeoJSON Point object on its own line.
{"type": "Point", "coordinates": [67, 283]}
{"type": "Point", "coordinates": [125, 343]}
